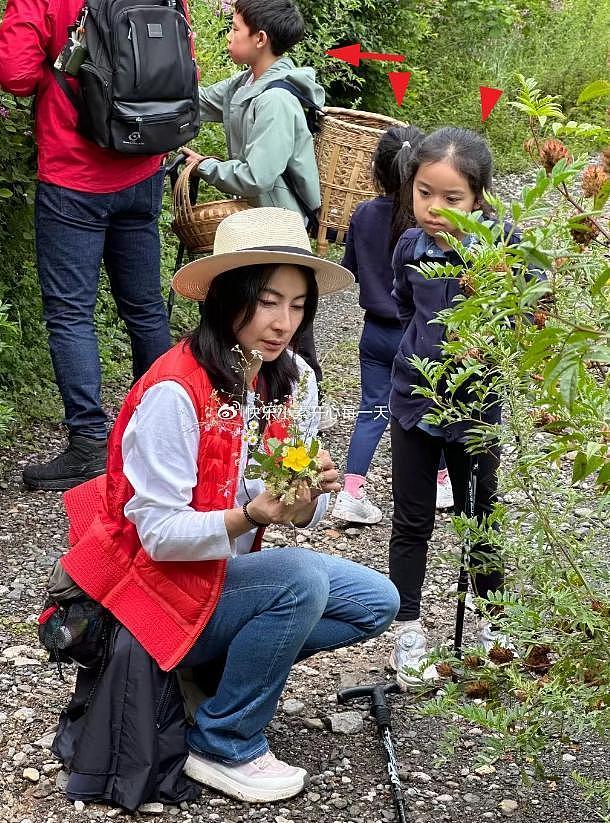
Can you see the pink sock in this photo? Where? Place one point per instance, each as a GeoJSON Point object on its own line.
{"type": "Point", "coordinates": [354, 485]}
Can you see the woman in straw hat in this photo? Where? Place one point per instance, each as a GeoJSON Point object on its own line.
{"type": "Point", "coordinates": [167, 539]}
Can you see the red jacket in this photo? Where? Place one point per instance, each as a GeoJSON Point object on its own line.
{"type": "Point", "coordinates": [165, 605]}
{"type": "Point", "coordinates": [32, 31]}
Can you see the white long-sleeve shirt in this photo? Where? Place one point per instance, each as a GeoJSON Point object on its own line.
{"type": "Point", "coordinates": [160, 448]}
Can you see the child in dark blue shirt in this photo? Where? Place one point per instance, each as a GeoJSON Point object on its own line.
{"type": "Point", "coordinates": [374, 229]}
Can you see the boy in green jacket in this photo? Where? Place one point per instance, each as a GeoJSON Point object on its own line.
{"type": "Point", "coordinates": [268, 139]}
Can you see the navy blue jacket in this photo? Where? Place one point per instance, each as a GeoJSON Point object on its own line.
{"type": "Point", "coordinates": [368, 256]}
{"type": "Point", "coordinates": [419, 300]}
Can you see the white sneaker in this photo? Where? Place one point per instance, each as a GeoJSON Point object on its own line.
{"type": "Point", "coordinates": [410, 652]}
{"type": "Point", "coordinates": [444, 492]}
{"type": "Point", "coordinates": [356, 509]}
{"type": "Point", "coordinates": [262, 780]}
{"type": "Point", "coordinates": [328, 418]}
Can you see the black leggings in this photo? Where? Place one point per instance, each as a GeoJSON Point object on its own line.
{"type": "Point", "coordinates": [415, 459]}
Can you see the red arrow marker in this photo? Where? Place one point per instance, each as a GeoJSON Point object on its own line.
{"type": "Point", "coordinates": [353, 55]}
{"type": "Point", "coordinates": [399, 80]}
{"type": "Point", "coordinates": [489, 98]}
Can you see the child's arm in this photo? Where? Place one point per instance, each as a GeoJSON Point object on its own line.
{"type": "Point", "coordinates": [402, 291]}
{"type": "Point", "coordinates": [269, 147]}
{"type": "Point", "coordinates": [350, 260]}
{"type": "Point", "coordinates": [211, 101]}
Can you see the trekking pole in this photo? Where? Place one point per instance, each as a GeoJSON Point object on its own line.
{"type": "Point", "coordinates": [462, 586]}
{"type": "Point", "coordinates": [381, 713]}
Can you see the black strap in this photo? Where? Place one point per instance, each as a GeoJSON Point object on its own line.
{"type": "Point", "coordinates": [312, 109]}
{"type": "Point", "coordinates": [65, 86]}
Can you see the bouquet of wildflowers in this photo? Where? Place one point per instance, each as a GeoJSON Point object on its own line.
{"type": "Point", "coordinates": [284, 464]}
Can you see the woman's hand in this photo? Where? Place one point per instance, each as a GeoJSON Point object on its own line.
{"type": "Point", "coordinates": [328, 476]}
{"type": "Point", "coordinates": [264, 508]}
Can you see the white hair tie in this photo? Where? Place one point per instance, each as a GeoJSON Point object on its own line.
{"type": "Point", "coordinates": [406, 143]}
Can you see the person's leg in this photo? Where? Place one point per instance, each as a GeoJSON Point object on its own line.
{"type": "Point", "coordinates": [70, 235]}
{"type": "Point", "coordinates": [485, 564]}
{"type": "Point", "coordinates": [415, 456]}
{"type": "Point", "coordinates": [378, 346]}
{"type": "Point", "coordinates": [70, 231]}
{"type": "Point", "coordinates": [132, 256]}
{"type": "Point", "coordinates": [361, 604]}
{"type": "Point", "coordinates": [269, 605]}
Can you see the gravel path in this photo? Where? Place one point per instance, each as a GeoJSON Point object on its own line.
{"type": "Point", "coordinates": [347, 767]}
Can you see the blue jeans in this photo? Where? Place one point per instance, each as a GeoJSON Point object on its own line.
{"type": "Point", "coordinates": [378, 347]}
{"type": "Point", "coordinates": [75, 232]}
{"type": "Point", "coordinates": [278, 606]}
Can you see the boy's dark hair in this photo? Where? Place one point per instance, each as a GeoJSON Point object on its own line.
{"type": "Point", "coordinates": [390, 162]}
{"type": "Point", "coordinates": [280, 19]}
{"type": "Point", "coordinates": [465, 150]}
{"type": "Point", "coordinates": [232, 299]}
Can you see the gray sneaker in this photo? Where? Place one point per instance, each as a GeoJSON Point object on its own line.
{"type": "Point", "coordinates": [411, 652]}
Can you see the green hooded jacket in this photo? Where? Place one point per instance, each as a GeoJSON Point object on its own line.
{"type": "Point", "coordinates": [267, 136]}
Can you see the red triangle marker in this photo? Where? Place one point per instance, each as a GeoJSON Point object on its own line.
{"type": "Point", "coordinates": [489, 98]}
{"type": "Point", "coordinates": [399, 80]}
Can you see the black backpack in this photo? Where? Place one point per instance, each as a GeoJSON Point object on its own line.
{"type": "Point", "coordinates": [138, 90]}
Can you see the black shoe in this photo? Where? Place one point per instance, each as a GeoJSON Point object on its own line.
{"type": "Point", "coordinates": [83, 459]}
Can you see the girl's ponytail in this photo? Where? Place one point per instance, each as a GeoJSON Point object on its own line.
{"type": "Point", "coordinates": [390, 163]}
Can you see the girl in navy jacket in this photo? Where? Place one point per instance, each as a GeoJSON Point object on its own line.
{"type": "Point", "coordinates": [449, 169]}
{"type": "Point", "coordinates": [374, 229]}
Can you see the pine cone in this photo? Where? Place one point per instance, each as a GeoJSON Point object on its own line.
{"type": "Point", "coordinates": [600, 608]}
{"type": "Point", "coordinates": [472, 661]}
{"type": "Point", "coordinates": [477, 689]}
{"type": "Point", "coordinates": [606, 159]}
{"type": "Point", "coordinates": [540, 318]}
{"type": "Point", "coordinates": [500, 655]}
{"type": "Point", "coordinates": [444, 669]}
{"type": "Point", "coordinates": [520, 695]}
{"type": "Point", "coordinates": [584, 232]}
{"type": "Point", "coordinates": [467, 284]}
{"type": "Point", "coordinates": [530, 147]}
{"type": "Point", "coordinates": [538, 659]}
{"type": "Point", "coordinates": [551, 152]}
{"type": "Point", "coordinates": [593, 179]}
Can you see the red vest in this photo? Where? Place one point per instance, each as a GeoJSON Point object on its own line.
{"type": "Point", "coordinates": [165, 605]}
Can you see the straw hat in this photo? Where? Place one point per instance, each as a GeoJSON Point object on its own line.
{"type": "Point", "coordinates": [259, 236]}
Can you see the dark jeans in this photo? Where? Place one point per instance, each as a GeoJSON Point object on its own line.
{"type": "Point", "coordinates": [415, 459]}
{"type": "Point", "coordinates": [75, 232]}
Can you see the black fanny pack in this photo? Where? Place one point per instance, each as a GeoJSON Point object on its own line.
{"type": "Point", "coordinates": [73, 627]}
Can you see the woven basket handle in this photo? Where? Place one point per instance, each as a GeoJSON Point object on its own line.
{"type": "Point", "coordinates": [183, 210]}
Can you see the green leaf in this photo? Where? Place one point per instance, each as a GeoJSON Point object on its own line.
{"type": "Point", "coordinates": [579, 468]}
{"type": "Point", "coordinates": [599, 88]}
{"type": "Point", "coordinates": [6, 193]}
{"type": "Point", "coordinates": [273, 443]}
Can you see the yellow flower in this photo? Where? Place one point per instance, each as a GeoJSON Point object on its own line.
{"type": "Point", "coordinates": [297, 458]}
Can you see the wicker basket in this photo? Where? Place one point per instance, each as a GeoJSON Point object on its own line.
{"type": "Point", "coordinates": [196, 225]}
{"type": "Point", "coordinates": [345, 147]}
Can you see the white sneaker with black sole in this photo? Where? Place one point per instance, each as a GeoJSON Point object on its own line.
{"type": "Point", "coordinates": [262, 780]}
{"type": "Point", "coordinates": [356, 509]}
